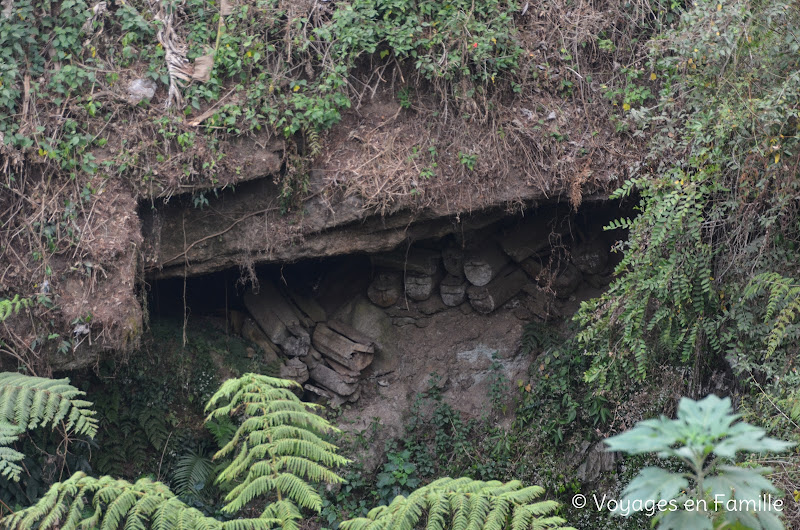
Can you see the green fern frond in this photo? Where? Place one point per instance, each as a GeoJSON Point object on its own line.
{"type": "Point", "coordinates": [87, 502]}
{"type": "Point", "coordinates": [464, 504]}
{"type": "Point", "coordinates": [192, 472]}
{"type": "Point", "coordinates": [28, 402]}
{"type": "Point", "coordinates": [278, 449]}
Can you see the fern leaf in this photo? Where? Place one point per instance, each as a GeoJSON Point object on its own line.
{"type": "Point", "coordinates": [277, 447]}
{"type": "Point", "coordinates": [117, 504]}
{"type": "Point", "coordinates": [28, 402]}
{"type": "Point", "coordinates": [463, 504]}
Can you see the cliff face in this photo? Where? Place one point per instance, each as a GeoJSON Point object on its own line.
{"type": "Point", "coordinates": [290, 147]}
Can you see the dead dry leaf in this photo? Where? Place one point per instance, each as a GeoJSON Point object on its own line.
{"type": "Point", "coordinates": [202, 68]}
{"type": "Point", "coordinates": [225, 8]}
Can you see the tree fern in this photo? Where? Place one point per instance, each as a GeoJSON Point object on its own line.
{"type": "Point", "coordinates": [193, 471]}
{"type": "Point", "coordinates": [28, 402]}
{"type": "Point", "coordinates": [83, 502]}
{"type": "Point", "coordinates": [277, 448]}
{"type": "Point", "coordinates": [464, 504]}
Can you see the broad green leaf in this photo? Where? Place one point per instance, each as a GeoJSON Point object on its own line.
{"type": "Point", "coordinates": [684, 520]}
{"type": "Point", "coordinates": [654, 484]}
{"type": "Point", "coordinates": [740, 483]}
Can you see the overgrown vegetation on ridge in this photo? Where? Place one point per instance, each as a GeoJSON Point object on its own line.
{"type": "Point", "coordinates": [710, 274]}
{"type": "Point", "coordinates": [479, 81]}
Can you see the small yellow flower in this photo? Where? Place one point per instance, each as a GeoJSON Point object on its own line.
{"type": "Point", "coordinates": [626, 107]}
{"type": "Point", "coordinates": [653, 76]}
{"type": "Point", "coordinates": [719, 7]}
{"type": "Point", "coordinates": [296, 88]}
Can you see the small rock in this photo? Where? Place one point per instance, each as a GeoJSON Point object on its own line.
{"type": "Point", "coordinates": [140, 89]}
{"type": "Point", "coordinates": [551, 116]}
{"type": "Point", "coordinates": [598, 461]}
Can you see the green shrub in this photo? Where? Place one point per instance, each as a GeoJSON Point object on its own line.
{"type": "Point", "coordinates": [713, 493]}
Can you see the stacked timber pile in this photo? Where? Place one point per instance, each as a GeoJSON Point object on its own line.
{"type": "Point", "coordinates": [325, 355]}
{"type": "Point", "coordinates": [493, 268]}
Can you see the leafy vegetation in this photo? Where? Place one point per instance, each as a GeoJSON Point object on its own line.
{"type": "Point", "coordinates": [464, 503]}
{"type": "Point", "coordinates": [717, 204]}
{"type": "Point", "coordinates": [278, 448]}
{"type": "Point", "coordinates": [705, 437]}
{"type": "Point", "coordinates": [29, 402]}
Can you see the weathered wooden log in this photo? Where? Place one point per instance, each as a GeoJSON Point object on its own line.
{"type": "Point", "coordinates": [342, 369]}
{"type": "Point", "coordinates": [482, 265]}
{"type": "Point", "coordinates": [318, 391]}
{"type": "Point", "coordinates": [349, 353]}
{"type": "Point", "coordinates": [333, 381]}
{"type": "Point", "coordinates": [364, 343]}
{"type": "Point", "coordinates": [420, 287]}
{"type": "Point", "coordinates": [590, 257]}
{"type": "Point", "coordinates": [295, 346]}
{"type": "Point", "coordinates": [386, 289]}
{"type": "Point", "coordinates": [533, 267]}
{"type": "Point", "coordinates": [453, 290]}
{"type": "Point", "coordinates": [416, 261]}
{"type": "Point", "coordinates": [453, 259]}
{"type": "Point", "coordinates": [253, 333]}
{"type": "Point", "coordinates": [278, 320]}
{"type": "Point", "coordinates": [309, 307]}
{"type": "Point", "coordinates": [485, 299]}
{"type": "Point", "coordinates": [295, 370]}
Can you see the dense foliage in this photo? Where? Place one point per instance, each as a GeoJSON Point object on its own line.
{"type": "Point", "coordinates": [707, 268]}
{"type": "Point", "coordinates": [279, 448]}
{"type": "Point", "coordinates": [705, 437]}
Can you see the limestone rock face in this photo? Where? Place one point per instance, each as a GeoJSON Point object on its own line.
{"type": "Point", "coordinates": [248, 227]}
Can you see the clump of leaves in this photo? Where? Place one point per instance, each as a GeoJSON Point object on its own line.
{"type": "Point", "coordinates": [713, 493]}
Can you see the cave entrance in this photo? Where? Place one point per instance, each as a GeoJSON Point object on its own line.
{"type": "Point", "coordinates": [332, 323]}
